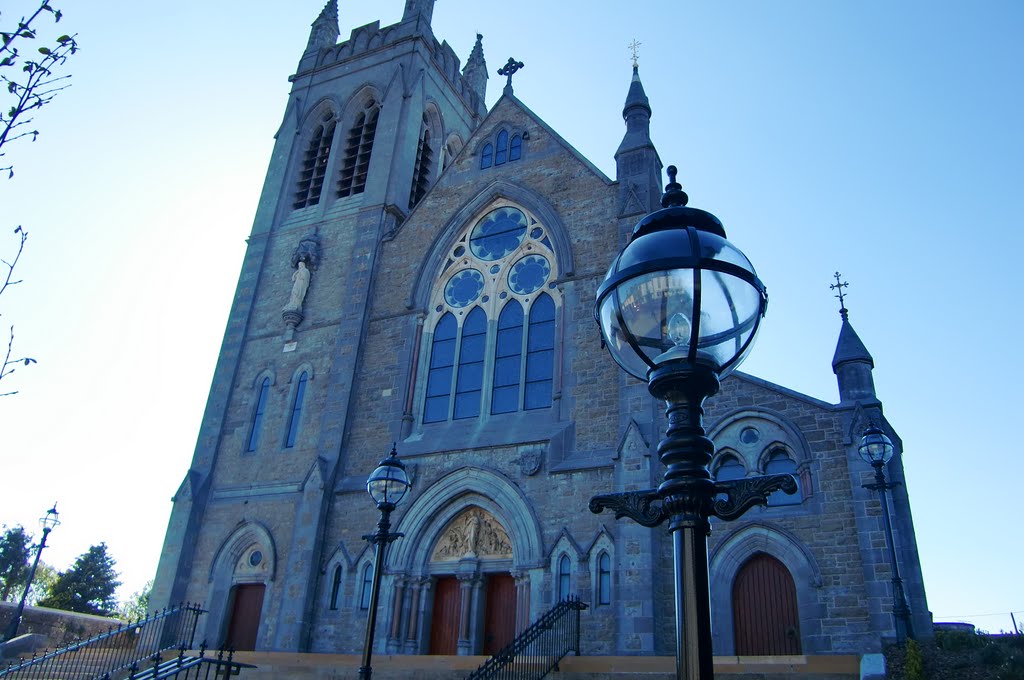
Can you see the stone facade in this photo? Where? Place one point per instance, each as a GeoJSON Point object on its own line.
{"type": "Point", "coordinates": [303, 407]}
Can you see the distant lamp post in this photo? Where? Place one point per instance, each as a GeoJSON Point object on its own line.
{"type": "Point", "coordinates": [679, 308]}
{"type": "Point", "coordinates": [387, 486]}
{"type": "Point", "coordinates": [48, 522]}
{"type": "Point", "coordinates": [876, 449]}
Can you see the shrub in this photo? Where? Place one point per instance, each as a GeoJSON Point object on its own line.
{"type": "Point", "coordinates": [914, 662]}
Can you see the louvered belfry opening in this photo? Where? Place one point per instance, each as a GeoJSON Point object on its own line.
{"type": "Point", "coordinates": [314, 163]}
{"type": "Point", "coordinates": [424, 164]}
{"type": "Point", "coordinates": [358, 147]}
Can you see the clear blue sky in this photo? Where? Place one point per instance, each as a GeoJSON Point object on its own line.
{"type": "Point", "coordinates": [881, 139]}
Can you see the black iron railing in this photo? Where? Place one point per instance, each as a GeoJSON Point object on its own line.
{"type": "Point", "coordinates": [183, 667]}
{"type": "Point", "coordinates": [539, 648]}
{"type": "Point", "coordinates": [117, 649]}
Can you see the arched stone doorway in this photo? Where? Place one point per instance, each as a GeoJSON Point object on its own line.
{"type": "Point", "coordinates": [766, 619]}
{"type": "Point", "coordinates": [474, 607]}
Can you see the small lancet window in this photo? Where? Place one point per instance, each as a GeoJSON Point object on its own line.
{"type": "Point", "coordinates": [469, 383]}
{"type": "Point", "coordinates": [779, 462]}
{"type": "Point", "coordinates": [257, 416]}
{"type": "Point", "coordinates": [296, 417]}
{"type": "Point", "coordinates": [314, 163]}
{"type": "Point", "coordinates": [604, 579]}
{"type": "Point", "coordinates": [515, 148]}
{"type": "Point", "coordinates": [336, 587]}
{"type": "Point", "coordinates": [358, 149]}
{"type": "Point", "coordinates": [501, 148]}
{"type": "Point", "coordinates": [424, 164]}
{"type": "Point", "coordinates": [508, 357]}
{"type": "Point", "coordinates": [487, 156]}
{"type": "Point", "coordinates": [540, 353]}
{"type": "Point", "coordinates": [564, 578]}
{"type": "Point", "coordinates": [364, 594]}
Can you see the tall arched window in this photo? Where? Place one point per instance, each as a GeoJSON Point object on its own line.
{"type": "Point", "coordinates": [487, 156]}
{"type": "Point", "coordinates": [564, 577]}
{"type": "Point", "coordinates": [257, 416]}
{"type": "Point", "coordinates": [422, 171]}
{"type": "Point", "coordinates": [336, 587]}
{"type": "Point", "coordinates": [358, 148]}
{"type": "Point", "coordinates": [296, 417]}
{"type": "Point", "coordinates": [501, 148]}
{"type": "Point", "coordinates": [779, 462]}
{"type": "Point", "coordinates": [367, 585]}
{"type": "Point", "coordinates": [314, 162]}
{"type": "Point", "coordinates": [502, 267]}
{"type": "Point", "coordinates": [604, 579]}
{"type": "Point", "coordinates": [515, 148]}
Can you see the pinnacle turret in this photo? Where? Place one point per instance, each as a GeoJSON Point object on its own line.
{"type": "Point", "coordinates": [324, 31]}
{"type": "Point", "coordinates": [638, 168]}
{"type": "Point", "coordinates": [852, 363]}
{"type": "Point", "coordinates": [415, 9]}
{"type": "Point", "coordinates": [475, 74]}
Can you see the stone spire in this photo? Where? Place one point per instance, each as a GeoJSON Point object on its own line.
{"type": "Point", "coordinates": [418, 8]}
{"type": "Point", "coordinates": [475, 74]}
{"type": "Point", "coordinates": [638, 168]}
{"type": "Point", "coordinates": [324, 31]}
{"type": "Point", "coordinates": [852, 363]}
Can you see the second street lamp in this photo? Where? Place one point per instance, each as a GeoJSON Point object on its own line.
{"type": "Point", "coordinates": [679, 308]}
{"type": "Point", "coordinates": [387, 486]}
{"type": "Point", "coordinates": [876, 449]}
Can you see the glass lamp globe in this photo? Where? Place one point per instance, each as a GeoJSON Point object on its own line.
{"type": "Point", "coordinates": [680, 292]}
{"type": "Point", "coordinates": [875, 448]}
{"type": "Point", "coordinates": [388, 484]}
{"type": "Point", "coordinates": [50, 521]}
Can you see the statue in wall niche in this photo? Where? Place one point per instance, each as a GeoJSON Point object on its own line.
{"type": "Point", "coordinates": [305, 259]}
{"type": "Point", "coordinates": [300, 284]}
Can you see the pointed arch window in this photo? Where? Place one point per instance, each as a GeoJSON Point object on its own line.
{"type": "Point", "coordinates": [501, 148]}
{"type": "Point", "coordinates": [487, 156]}
{"type": "Point", "coordinates": [296, 417]}
{"type": "Point", "coordinates": [564, 577]}
{"type": "Point", "coordinates": [336, 587]}
{"type": "Point", "coordinates": [422, 171]}
{"type": "Point", "coordinates": [515, 148]}
{"type": "Point", "coordinates": [314, 162]}
{"type": "Point", "coordinates": [257, 416]}
{"type": "Point", "coordinates": [779, 462]}
{"type": "Point", "coordinates": [501, 268]}
{"type": "Point", "coordinates": [604, 579]}
{"type": "Point", "coordinates": [358, 149]}
{"type": "Point", "coordinates": [367, 585]}
{"type": "Point", "coordinates": [730, 468]}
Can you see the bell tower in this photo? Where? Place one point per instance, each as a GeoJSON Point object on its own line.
{"type": "Point", "coordinates": [370, 124]}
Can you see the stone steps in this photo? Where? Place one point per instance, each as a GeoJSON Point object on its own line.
{"type": "Point", "coordinates": [290, 666]}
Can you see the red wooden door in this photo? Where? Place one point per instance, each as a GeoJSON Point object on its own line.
{"type": "Point", "coordinates": [246, 604]}
{"type": "Point", "coordinates": [444, 623]}
{"type": "Point", "coordinates": [500, 621]}
{"type": "Point", "coordinates": [764, 609]}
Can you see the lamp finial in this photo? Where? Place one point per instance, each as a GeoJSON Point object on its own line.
{"type": "Point", "coordinates": [674, 195]}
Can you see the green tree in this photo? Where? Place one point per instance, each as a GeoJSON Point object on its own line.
{"type": "Point", "coordinates": [15, 550]}
{"type": "Point", "coordinates": [31, 78]}
{"type": "Point", "coordinates": [137, 605]}
{"type": "Point", "coordinates": [42, 584]}
{"type": "Point", "coordinates": [88, 586]}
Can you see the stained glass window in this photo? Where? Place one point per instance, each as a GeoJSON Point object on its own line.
{"type": "Point", "coordinates": [779, 462]}
{"type": "Point", "coordinates": [439, 376]}
{"type": "Point", "coordinates": [471, 365]}
{"type": "Point", "coordinates": [501, 148]}
{"type": "Point", "coordinates": [508, 354]}
{"type": "Point", "coordinates": [293, 422]}
{"type": "Point", "coordinates": [499, 233]}
{"type": "Point", "coordinates": [257, 416]}
{"type": "Point", "coordinates": [486, 156]}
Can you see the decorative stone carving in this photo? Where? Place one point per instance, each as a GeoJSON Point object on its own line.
{"type": "Point", "coordinates": [530, 459]}
{"type": "Point", "coordinates": [474, 533]}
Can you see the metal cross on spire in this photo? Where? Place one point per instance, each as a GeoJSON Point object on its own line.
{"type": "Point", "coordinates": [635, 48]}
{"type": "Point", "coordinates": [509, 70]}
{"type": "Point", "coordinates": [838, 286]}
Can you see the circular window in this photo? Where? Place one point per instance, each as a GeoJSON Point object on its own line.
{"type": "Point", "coordinates": [499, 233]}
{"type": "Point", "coordinates": [463, 288]}
{"type": "Point", "coordinates": [255, 557]}
{"type": "Point", "coordinates": [749, 435]}
{"type": "Point", "coordinates": [528, 274]}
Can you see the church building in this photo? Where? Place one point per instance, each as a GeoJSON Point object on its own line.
{"type": "Point", "coordinates": [422, 271]}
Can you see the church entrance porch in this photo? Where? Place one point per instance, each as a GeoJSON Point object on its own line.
{"type": "Point", "coordinates": [472, 614]}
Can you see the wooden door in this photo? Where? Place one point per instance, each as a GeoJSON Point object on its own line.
{"type": "Point", "coordinates": [444, 623]}
{"type": "Point", "coordinates": [500, 613]}
{"type": "Point", "coordinates": [764, 610]}
{"type": "Point", "coordinates": [244, 624]}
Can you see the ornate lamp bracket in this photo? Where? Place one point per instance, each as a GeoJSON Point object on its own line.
{"type": "Point", "coordinates": [743, 494]}
{"type": "Point", "coordinates": [643, 507]}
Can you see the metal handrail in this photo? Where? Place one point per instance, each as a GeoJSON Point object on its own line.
{"type": "Point", "coordinates": [116, 649]}
{"type": "Point", "coordinates": [539, 648]}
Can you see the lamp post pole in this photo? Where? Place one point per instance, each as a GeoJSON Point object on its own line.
{"type": "Point", "coordinates": [48, 522]}
{"type": "Point", "coordinates": [387, 486]}
{"type": "Point", "coordinates": [877, 449]}
{"type": "Point", "coordinates": [680, 308]}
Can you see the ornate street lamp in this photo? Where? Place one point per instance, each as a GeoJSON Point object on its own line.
{"type": "Point", "coordinates": [387, 486]}
{"type": "Point", "coordinates": [48, 522]}
{"type": "Point", "coordinates": [876, 449]}
{"type": "Point", "coordinates": [679, 308]}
